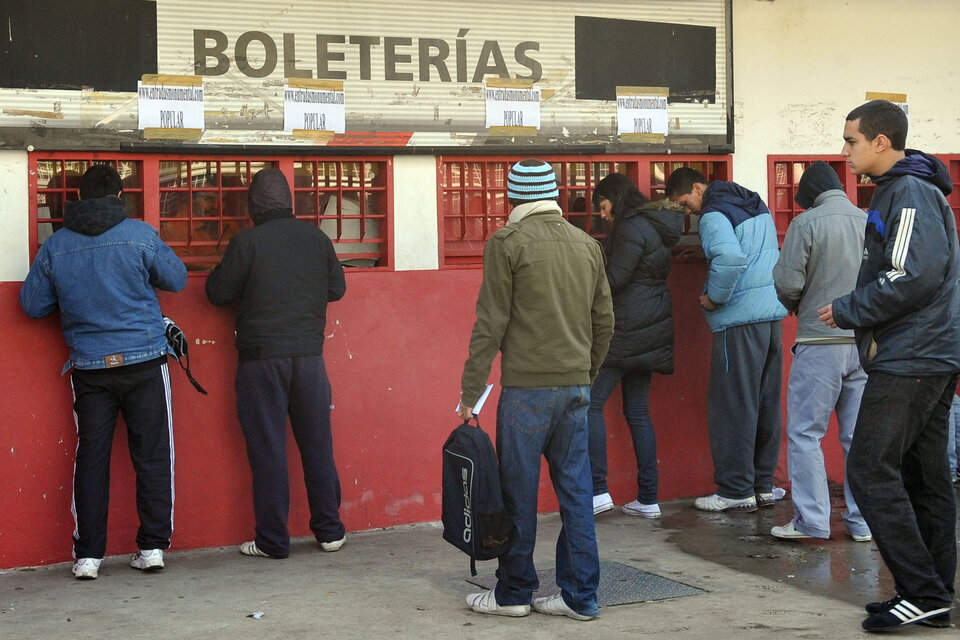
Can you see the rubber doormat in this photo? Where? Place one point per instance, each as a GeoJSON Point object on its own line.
{"type": "Point", "coordinates": [619, 584]}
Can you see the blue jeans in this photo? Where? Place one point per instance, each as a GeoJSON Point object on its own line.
{"type": "Point", "coordinates": [953, 439]}
{"type": "Point", "coordinates": [899, 474]}
{"type": "Point", "coordinates": [552, 422]}
{"type": "Point", "coordinates": [636, 392]}
{"type": "Point", "coordinates": [823, 378]}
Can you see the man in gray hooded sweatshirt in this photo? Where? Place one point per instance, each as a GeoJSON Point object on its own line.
{"type": "Point", "coordinates": [282, 273]}
{"type": "Point", "coordinates": [819, 261]}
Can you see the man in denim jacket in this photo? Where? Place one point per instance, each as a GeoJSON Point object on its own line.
{"type": "Point", "coordinates": [101, 270]}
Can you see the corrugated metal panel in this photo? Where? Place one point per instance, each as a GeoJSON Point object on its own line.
{"type": "Point", "coordinates": [242, 108]}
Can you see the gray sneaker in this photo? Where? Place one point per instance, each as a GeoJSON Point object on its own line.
{"type": "Point", "coordinates": [555, 606]}
{"type": "Point", "coordinates": [715, 502]}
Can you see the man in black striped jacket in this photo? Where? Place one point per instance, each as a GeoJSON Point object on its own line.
{"type": "Point", "coordinates": [905, 312]}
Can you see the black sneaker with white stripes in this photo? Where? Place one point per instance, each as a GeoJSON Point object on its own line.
{"type": "Point", "coordinates": [898, 612]}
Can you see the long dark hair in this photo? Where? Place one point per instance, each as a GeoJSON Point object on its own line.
{"type": "Point", "coordinates": [621, 192]}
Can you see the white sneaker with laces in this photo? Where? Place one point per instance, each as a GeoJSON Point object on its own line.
{"type": "Point", "coordinates": [789, 531]}
{"type": "Point", "coordinates": [715, 502]}
{"type": "Point", "coordinates": [637, 508]}
{"type": "Point", "coordinates": [555, 606]}
{"type": "Point", "coordinates": [147, 560]}
{"type": "Point", "coordinates": [333, 546]}
{"type": "Point", "coordinates": [486, 602]}
{"type": "Point", "coordinates": [86, 568]}
{"type": "Point", "coordinates": [602, 502]}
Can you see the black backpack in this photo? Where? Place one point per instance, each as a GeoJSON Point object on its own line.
{"type": "Point", "coordinates": [474, 518]}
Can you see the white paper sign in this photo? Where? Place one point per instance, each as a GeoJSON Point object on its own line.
{"type": "Point", "coordinates": [512, 106]}
{"type": "Point", "coordinates": [313, 109]}
{"type": "Point", "coordinates": [642, 114]}
{"type": "Point", "coordinates": [170, 106]}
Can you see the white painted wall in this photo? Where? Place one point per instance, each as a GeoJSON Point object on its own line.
{"type": "Point", "coordinates": [14, 240]}
{"type": "Point", "coordinates": [801, 65]}
{"type": "Point", "coordinates": [415, 213]}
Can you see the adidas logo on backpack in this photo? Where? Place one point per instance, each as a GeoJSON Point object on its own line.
{"type": "Point", "coordinates": [474, 518]}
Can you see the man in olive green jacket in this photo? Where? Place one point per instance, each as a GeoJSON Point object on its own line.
{"type": "Point", "coordinates": [545, 305]}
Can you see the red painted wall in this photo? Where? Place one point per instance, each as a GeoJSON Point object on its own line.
{"type": "Point", "coordinates": [396, 347]}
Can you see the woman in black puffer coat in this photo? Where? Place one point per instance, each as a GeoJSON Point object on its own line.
{"type": "Point", "coordinates": [638, 263]}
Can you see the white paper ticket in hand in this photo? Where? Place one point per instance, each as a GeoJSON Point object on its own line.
{"type": "Point", "coordinates": [479, 405]}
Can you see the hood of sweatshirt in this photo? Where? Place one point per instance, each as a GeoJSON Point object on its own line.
{"type": "Point", "coordinates": [94, 216]}
{"type": "Point", "coordinates": [924, 166]}
{"type": "Point", "coordinates": [269, 196]}
{"type": "Point", "coordinates": [733, 201]}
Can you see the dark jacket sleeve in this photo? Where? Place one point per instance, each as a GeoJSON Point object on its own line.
{"type": "Point", "coordinates": [226, 283]}
{"type": "Point", "coordinates": [626, 249]}
{"type": "Point", "coordinates": [336, 282]}
{"type": "Point", "coordinates": [912, 268]}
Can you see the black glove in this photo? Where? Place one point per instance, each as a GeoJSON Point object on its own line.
{"type": "Point", "coordinates": [178, 345]}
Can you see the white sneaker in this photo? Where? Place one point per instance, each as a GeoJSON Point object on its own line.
{"type": "Point", "coordinates": [86, 568]}
{"type": "Point", "coordinates": [250, 548]}
{"type": "Point", "coordinates": [147, 560]}
{"type": "Point", "coordinates": [867, 537]}
{"type": "Point", "coordinates": [602, 502]}
{"type": "Point", "coordinates": [555, 606]}
{"type": "Point", "coordinates": [789, 531]}
{"type": "Point", "coordinates": [335, 545]}
{"type": "Point", "coordinates": [637, 508]}
{"type": "Point", "coordinates": [714, 502]}
{"type": "Point", "coordinates": [486, 602]}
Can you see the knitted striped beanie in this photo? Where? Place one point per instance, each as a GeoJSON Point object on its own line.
{"type": "Point", "coordinates": [531, 180]}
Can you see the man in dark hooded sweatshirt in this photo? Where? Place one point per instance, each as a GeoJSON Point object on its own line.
{"type": "Point", "coordinates": [282, 273]}
{"type": "Point", "coordinates": [819, 261]}
{"type": "Point", "coordinates": [905, 313]}
{"type": "Point", "coordinates": [100, 270]}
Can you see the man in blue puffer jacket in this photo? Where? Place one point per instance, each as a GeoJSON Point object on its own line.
{"type": "Point", "coordinates": [100, 270]}
{"type": "Point", "coordinates": [905, 313]}
{"type": "Point", "coordinates": [741, 307]}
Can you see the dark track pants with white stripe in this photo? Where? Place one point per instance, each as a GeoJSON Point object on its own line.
{"type": "Point", "coordinates": [141, 393]}
{"type": "Point", "coordinates": [267, 391]}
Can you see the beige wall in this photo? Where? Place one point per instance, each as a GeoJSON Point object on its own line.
{"type": "Point", "coordinates": [14, 239]}
{"type": "Point", "coordinates": [801, 65]}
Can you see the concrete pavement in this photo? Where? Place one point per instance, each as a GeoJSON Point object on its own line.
{"type": "Point", "coordinates": [408, 583]}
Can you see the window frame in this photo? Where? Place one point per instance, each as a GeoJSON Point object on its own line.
{"type": "Point", "coordinates": [150, 190]}
{"type": "Point", "coordinates": [858, 192]}
{"type": "Point", "coordinates": [638, 167]}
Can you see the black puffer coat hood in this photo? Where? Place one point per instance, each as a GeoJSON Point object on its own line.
{"type": "Point", "coordinates": [639, 260]}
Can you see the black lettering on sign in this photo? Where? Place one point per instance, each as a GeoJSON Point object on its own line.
{"type": "Point", "coordinates": [315, 121]}
{"type": "Point", "coordinates": [513, 118]}
{"type": "Point", "coordinates": [171, 119]}
{"type": "Point", "coordinates": [211, 57]}
{"type": "Point", "coordinates": [643, 125]}
{"type": "Point", "coordinates": [269, 54]}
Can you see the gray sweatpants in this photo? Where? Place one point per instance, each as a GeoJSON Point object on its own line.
{"type": "Point", "coordinates": [823, 378]}
{"type": "Point", "coordinates": [743, 408]}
